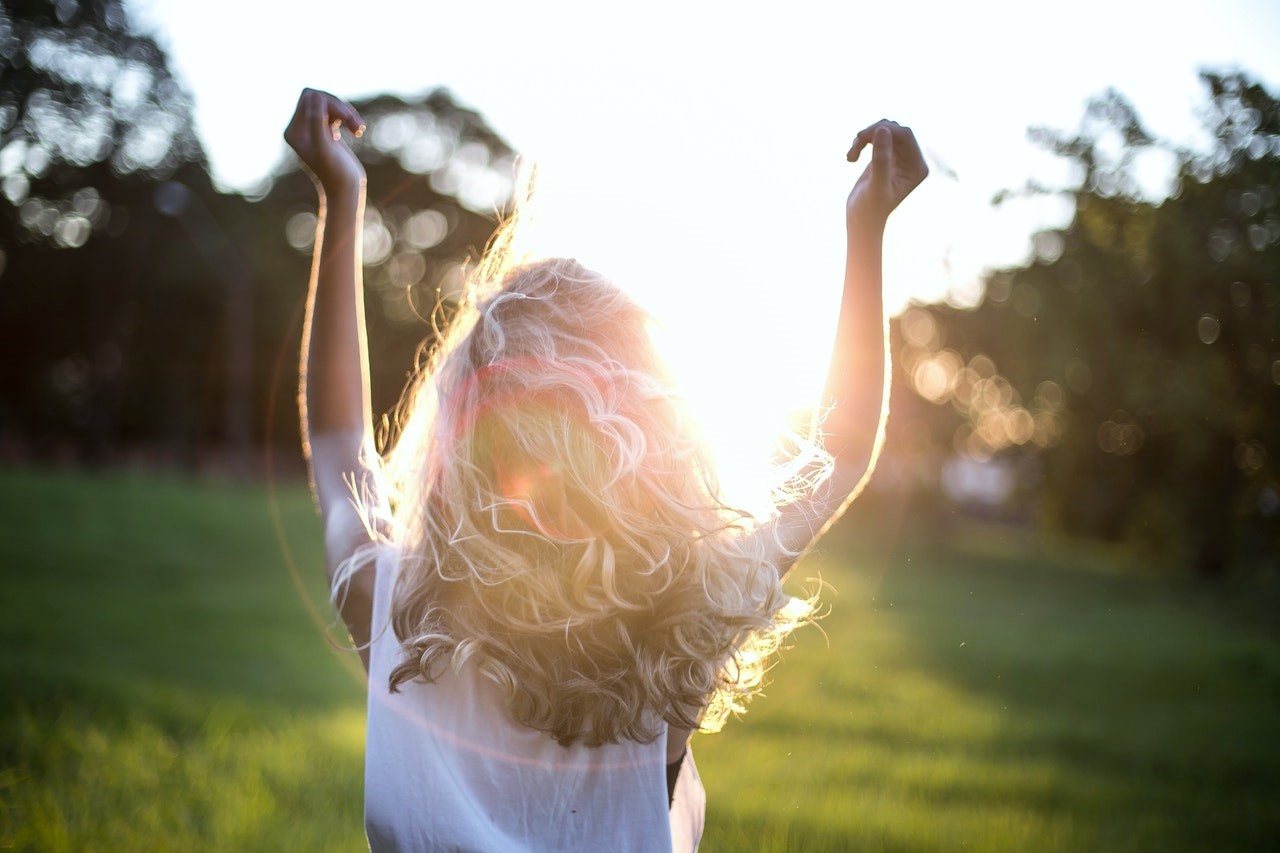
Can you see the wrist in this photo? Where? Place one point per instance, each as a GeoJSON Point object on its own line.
{"type": "Point", "coordinates": [862, 228]}
{"type": "Point", "coordinates": [348, 191]}
{"type": "Point", "coordinates": [868, 206]}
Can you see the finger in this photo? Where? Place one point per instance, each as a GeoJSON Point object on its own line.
{"type": "Point", "coordinates": [882, 152]}
{"type": "Point", "coordinates": [299, 133]}
{"type": "Point", "coordinates": [340, 112]}
{"type": "Point", "coordinates": [862, 140]}
{"type": "Point", "coordinates": [322, 114]}
{"type": "Point", "coordinates": [865, 136]}
{"type": "Point", "coordinates": [904, 139]}
{"type": "Point", "coordinates": [318, 121]}
{"type": "Point", "coordinates": [351, 118]}
{"type": "Point", "coordinates": [908, 155]}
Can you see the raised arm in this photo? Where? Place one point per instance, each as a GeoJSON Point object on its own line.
{"type": "Point", "coordinates": [333, 392]}
{"type": "Point", "coordinates": [857, 383]}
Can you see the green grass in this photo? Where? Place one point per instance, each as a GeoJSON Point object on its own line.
{"type": "Point", "coordinates": [164, 683]}
{"type": "Point", "coordinates": [164, 686]}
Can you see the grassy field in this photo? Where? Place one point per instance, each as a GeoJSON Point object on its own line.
{"type": "Point", "coordinates": [165, 686]}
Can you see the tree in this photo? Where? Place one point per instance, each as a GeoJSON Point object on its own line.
{"type": "Point", "coordinates": [143, 309]}
{"type": "Point", "coordinates": [81, 90]}
{"type": "Point", "coordinates": [438, 178]}
{"type": "Point", "coordinates": [1137, 356]}
{"type": "Point", "coordinates": [91, 121]}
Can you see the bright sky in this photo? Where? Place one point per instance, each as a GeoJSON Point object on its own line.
{"type": "Point", "coordinates": [695, 150]}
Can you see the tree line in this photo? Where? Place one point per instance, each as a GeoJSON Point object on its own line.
{"type": "Point", "coordinates": [1127, 378]}
{"type": "Point", "coordinates": [1123, 385]}
{"type": "Point", "coordinates": [145, 312]}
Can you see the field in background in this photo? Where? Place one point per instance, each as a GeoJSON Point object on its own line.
{"type": "Point", "coordinates": [165, 685]}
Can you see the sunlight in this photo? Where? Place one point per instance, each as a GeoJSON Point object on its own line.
{"type": "Point", "coordinates": [734, 392]}
{"type": "Point", "coordinates": [748, 331]}
{"type": "Point", "coordinates": [748, 346]}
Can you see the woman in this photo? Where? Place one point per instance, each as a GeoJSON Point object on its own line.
{"type": "Point", "coordinates": [543, 583]}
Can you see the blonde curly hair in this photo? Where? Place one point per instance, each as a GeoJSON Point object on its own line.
{"type": "Point", "coordinates": [560, 526]}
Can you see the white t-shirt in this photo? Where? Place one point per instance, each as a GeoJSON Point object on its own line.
{"type": "Point", "coordinates": [447, 768]}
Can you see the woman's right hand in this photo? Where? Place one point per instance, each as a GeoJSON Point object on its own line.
{"type": "Point", "coordinates": [897, 167]}
{"type": "Point", "coordinates": [314, 133]}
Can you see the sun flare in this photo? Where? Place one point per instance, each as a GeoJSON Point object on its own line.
{"type": "Point", "coordinates": [747, 335]}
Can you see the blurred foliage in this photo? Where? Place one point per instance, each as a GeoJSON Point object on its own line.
{"type": "Point", "coordinates": [145, 312]}
{"type": "Point", "coordinates": [80, 90]}
{"type": "Point", "coordinates": [1123, 385]}
{"type": "Point", "coordinates": [1127, 380]}
{"type": "Point", "coordinates": [437, 176]}
{"type": "Point", "coordinates": [91, 120]}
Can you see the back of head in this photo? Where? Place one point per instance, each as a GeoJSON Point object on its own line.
{"type": "Point", "coordinates": [559, 524]}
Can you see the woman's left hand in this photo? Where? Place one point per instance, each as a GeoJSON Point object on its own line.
{"type": "Point", "coordinates": [314, 133]}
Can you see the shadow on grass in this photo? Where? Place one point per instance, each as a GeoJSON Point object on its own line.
{"type": "Point", "coordinates": [1152, 704]}
{"type": "Point", "coordinates": [140, 590]}
{"type": "Point", "coordinates": [133, 598]}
